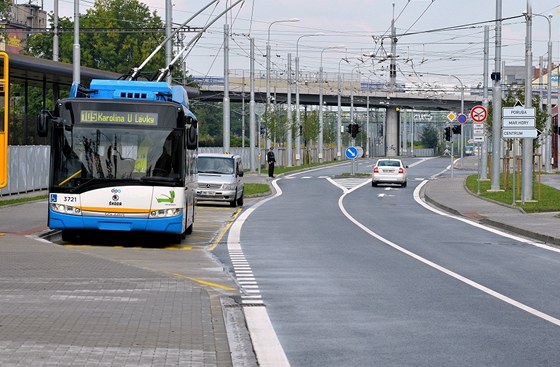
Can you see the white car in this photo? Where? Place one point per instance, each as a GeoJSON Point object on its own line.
{"type": "Point", "coordinates": [389, 170]}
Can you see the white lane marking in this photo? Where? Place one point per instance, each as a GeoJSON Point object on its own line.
{"type": "Point", "coordinates": [315, 169]}
{"type": "Point", "coordinates": [267, 350]}
{"type": "Point", "coordinates": [476, 224]}
{"type": "Point", "coordinates": [267, 347]}
{"type": "Point", "coordinates": [446, 271]}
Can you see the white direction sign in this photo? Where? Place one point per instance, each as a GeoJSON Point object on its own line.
{"type": "Point", "coordinates": [518, 112]}
{"type": "Point", "coordinates": [519, 133]}
{"type": "Point", "coordinates": [518, 122]}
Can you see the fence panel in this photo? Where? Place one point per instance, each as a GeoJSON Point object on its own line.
{"type": "Point", "coordinates": [28, 169]}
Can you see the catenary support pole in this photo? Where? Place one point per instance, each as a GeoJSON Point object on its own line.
{"type": "Point", "coordinates": [497, 102]}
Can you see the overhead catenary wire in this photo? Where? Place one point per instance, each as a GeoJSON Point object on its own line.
{"type": "Point", "coordinates": [420, 16]}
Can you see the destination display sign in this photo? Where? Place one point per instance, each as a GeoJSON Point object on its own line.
{"type": "Point", "coordinates": [119, 117]}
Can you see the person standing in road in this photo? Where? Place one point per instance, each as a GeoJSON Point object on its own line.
{"type": "Point", "coordinates": [270, 159]}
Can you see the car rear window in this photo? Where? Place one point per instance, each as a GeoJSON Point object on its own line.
{"type": "Point", "coordinates": [389, 164]}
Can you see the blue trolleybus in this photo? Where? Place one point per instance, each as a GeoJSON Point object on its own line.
{"type": "Point", "coordinates": [123, 158]}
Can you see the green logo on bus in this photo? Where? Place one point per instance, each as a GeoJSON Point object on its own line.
{"type": "Point", "coordinates": [167, 199]}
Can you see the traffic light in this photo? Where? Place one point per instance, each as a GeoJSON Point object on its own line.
{"type": "Point", "coordinates": [349, 128]}
{"type": "Point", "coordinates": [456, 129]}
{"type": "Point", "coordinates": [448, 133]}
{"type": "Point", "coordinates": [355, 130]}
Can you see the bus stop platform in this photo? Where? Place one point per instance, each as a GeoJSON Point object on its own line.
{"type": "Point", "coordinates": [65, 305]}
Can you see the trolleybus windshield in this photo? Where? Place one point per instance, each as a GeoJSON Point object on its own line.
{"type": "Point", "coordinates": [103, 146]}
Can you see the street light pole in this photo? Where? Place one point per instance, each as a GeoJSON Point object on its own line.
{"type": "Point", "coordinates": [298, 114]}
{"type": "Point", "coordinates": [548, 135]}
{"type": "Point", "coordinates": [320, 145]}
{"type": "Point", "coordinates": [252, 133]}
{"type": "Point", "coordinates": [289, 112]}
{"type": "Point", "coordinates": [339, 115]}
{"type": "Point", "coordinates": [268, 58]}
{"type": "Point", "coordinates": [527, 163]}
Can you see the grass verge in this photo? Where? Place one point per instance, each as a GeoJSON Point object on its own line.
{"type": "Point", "coordinates": [252, 189]}
{"type": "Point", "coordinates": [21, 200]}
{"type": "Point", "coordinates": [546, 198]}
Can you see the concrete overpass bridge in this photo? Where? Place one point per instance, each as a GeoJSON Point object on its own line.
{"type": "Point", "coordinates": [352, 92]}
{"type": "Point", "coordinates": [212, 88]}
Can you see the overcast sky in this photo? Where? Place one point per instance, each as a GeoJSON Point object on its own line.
{"type": "Point", "coordinates": [358, 26]}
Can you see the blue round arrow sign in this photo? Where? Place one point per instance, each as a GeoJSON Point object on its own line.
{"type": "Point", "coordinates": [351, 152]}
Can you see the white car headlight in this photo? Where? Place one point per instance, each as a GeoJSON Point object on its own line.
{"type": "Point", "coordinates": [228, 186]}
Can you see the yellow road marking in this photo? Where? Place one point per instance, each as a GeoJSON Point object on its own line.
{"type": "Point", "coordinates": [218, 238]}
{"type": "Point", "coordinates": [204, 282]}
{"type": "Point", "coordinates": [178, 247]}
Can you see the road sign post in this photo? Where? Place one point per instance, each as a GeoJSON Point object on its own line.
{"type": "Point", "coordinates": [351, 153]}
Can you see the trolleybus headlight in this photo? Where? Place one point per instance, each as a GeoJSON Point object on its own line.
{"type": "Point", "coordinates": [61, 208]}
{"type": "Point", "coordinates": [165, 213]}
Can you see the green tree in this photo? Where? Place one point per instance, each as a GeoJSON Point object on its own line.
{"type": "Point", "coordinates": [116, 35]}
{"type": "Point", "coordinates": [4, 14]}
{"type": "Point", "coordinates": [310, 126]}
{"type": "Point", "coordinates": [329, 128]}
{"type": "Point", "coordinates": [429, 136]}
{"type": "Point", "coordinates": [274, 121]}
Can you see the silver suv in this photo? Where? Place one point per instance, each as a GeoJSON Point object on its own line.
{"type": "Point", "coordinates": [220, 178]}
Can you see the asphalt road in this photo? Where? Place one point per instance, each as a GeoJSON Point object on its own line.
{"type": "Point", "coordinates": [354, 275]}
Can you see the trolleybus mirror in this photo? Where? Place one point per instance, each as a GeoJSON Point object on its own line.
{"type": "Point", "coordinates": [43, 123]}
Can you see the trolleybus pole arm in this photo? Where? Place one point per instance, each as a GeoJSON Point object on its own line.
{"type": "Point", "coordinates": [164, 71]}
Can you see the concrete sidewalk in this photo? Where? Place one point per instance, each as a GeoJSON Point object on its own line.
{"type": "Point", "coordinates": [450, 194]}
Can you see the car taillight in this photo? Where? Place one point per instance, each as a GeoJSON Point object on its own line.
{"type": "Point", "coordinates": [376, 170]}
{"type": "Point", "coordinates": [401, 170]}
